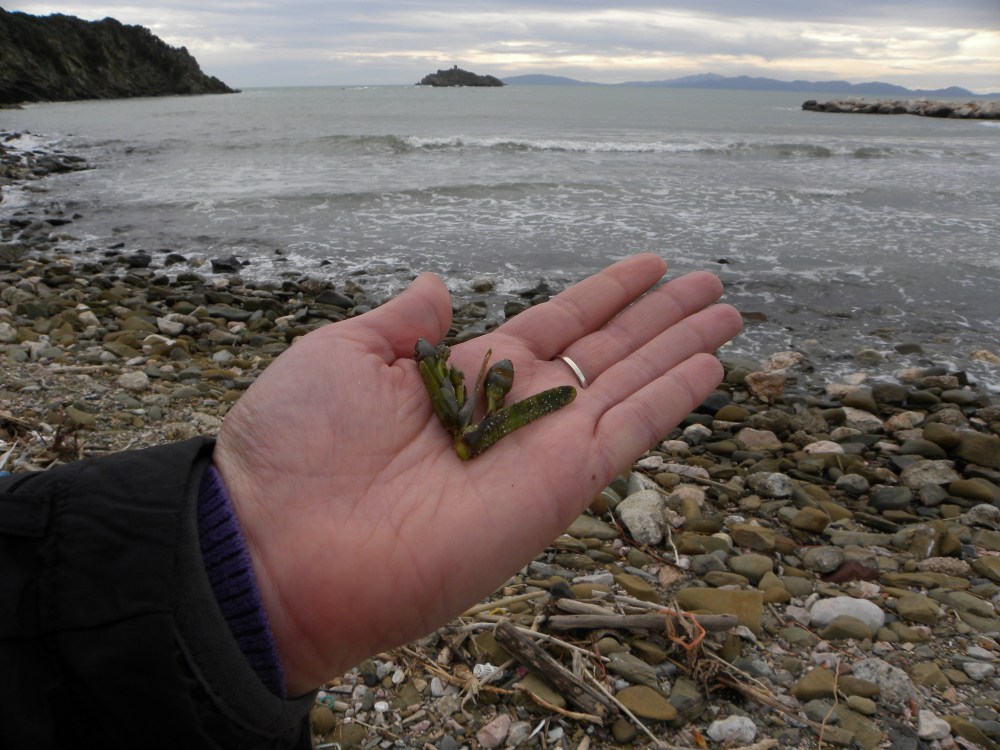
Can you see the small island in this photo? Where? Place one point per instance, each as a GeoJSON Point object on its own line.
{"type": "Point", "coordinates": [458, 77]}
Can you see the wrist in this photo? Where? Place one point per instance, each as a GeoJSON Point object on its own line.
{"type": "Point", "coordinates": [230, 571]}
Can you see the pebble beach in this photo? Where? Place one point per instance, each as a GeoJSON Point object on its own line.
{"type": "Point", "coordinates": [848, 532]}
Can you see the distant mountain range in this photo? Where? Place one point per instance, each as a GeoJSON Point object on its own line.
{"type": "Point", "coordinates": [748, 83]}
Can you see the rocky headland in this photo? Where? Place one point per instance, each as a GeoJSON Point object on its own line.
{"type": "Point", "coordinates": [799, 564]}
{"type": "Point", "coordinates": [974, 110]}
{"type": "Point", "coordinates": [62, 58]}
{"type": "Point", "coordinates": [455, 76]}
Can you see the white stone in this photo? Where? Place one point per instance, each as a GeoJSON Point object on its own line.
{"type": "Point", "coordinates": [687, 471]}
{"type": "Point", "coordinates": [932, 727]}
{"type": "Point", "coordinates": [978, 670]}
{"type": "Point", "coordinates": [677, 447]}
{"type": "Point", "coordinates": [906, 420]}
{"type": "Point", "coordinates": [978, 652]}
{"type": "Point", "coordinates": [642, 514]}
{"type": "Point", "coordinates": [169, 327]}
{"type": "Point", "coordinates": [135, 381]}
{"type": "Point", "coordinates": [922, 473]}
{"type": "Point", "coordinates": [733, 730]}
{"type": "Point", "coordinates": [797, 614]}
{"type": "Point", "coordinates": [687, 492]}
{"type": "Point", "coordinates": [753, 439]}
{"type": "Point", "coordinates": [771, 484]}
{"type": "Point", "coordinates": [862, 420]}
{"type": "Point", "coordinates": [825, 610]}
{"type": "Point", "coordinates": [86, 318]}
{"type": "Point", "coordinates": [823, 446]}
{"type": "Point", "coordinates": [650, 463]}
{"type": "Point", "coordinates": [697, 433]}
{"type": "Point", "coordinates": [983, 515]}
{"type": "Point", "coordinates": [894, 684]}
{"type": "Point", "coordinates": [782, 361]}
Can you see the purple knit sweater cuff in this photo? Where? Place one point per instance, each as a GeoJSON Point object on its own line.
{"type": "Point", "coordinates": [230, 571]}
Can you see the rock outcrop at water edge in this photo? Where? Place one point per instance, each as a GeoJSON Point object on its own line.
{"type": "Point", "coordinates": [63, 58]}
{"type": "Point", "coordinates": [458, 77]}
{"type": "Point", "coordinates": [975, 110]}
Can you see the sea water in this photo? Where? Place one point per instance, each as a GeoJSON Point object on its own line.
{"type": "Point", "coordinates": [841, 231]}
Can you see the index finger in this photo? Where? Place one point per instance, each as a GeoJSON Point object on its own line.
{"type": "Point", "coordinates": [586, 306]}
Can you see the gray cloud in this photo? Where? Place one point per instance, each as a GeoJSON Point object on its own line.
{"type": "Point", "coordinates": [248, 42]}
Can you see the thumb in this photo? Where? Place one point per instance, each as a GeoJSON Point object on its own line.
{"type": "Point", "coordinates": [422, 310]}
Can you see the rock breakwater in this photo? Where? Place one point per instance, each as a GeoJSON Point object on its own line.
{"type": "Point", "coordinates": [975, 110]}
{"type": "Point", "coordinates": [848, 534]}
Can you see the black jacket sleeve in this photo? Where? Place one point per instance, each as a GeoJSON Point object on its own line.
{"type": "Point", "coordinates": [110, 635]}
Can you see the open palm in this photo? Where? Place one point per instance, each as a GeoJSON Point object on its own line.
{"type": "Point", "coordinates": [367, 531]}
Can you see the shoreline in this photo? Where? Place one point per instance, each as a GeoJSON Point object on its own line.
{"type": "Point", "coordinates": [778, 499]}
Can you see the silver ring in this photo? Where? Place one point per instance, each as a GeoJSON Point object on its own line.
{"type": "Point", "coordinates": [576, 371]}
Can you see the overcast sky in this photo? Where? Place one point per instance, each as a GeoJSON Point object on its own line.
{"type": "Point", "coordinates": [915, 43]}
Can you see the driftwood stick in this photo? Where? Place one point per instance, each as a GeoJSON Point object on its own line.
{"type": "Point", "coordinates": [533, 656]}
{"type": "Point", "coordinates": [503, 603]}
{"type": "Point", "coordinates": [653, 621]}
{"type": "Point", "coordinates": [575, 715]}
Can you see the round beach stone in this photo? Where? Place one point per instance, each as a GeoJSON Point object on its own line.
{"type": "Point", "coordinates": [588, 527]}
{"type": "Point", "coordinates": [890, 498]}
{"type": "Point", "coordinates": [860, 399]}
{"type": "Point", "coordinates": [983, 515]}
{"type": "Point", "coordinates": [642, 514]}
{"type": "Point", "coordinates": [824, 611]}
{"type": "Point", "coordinates": [493, 734]}
{"type": "Point", "coordinates": [922, 448]}
{"type": "Point", "coordinates": [732, 413]}
{"type": "Point", "coordinates": [931, 727]}
{"type": "Point", "coordinates": [852, 484]}
{"type": "Point", "coordinates": [978, 670]}
{"type": "Point", "coordinates": [752, 566]}
{"type": "Point", "coordinates": [823, 559]}
{"type": "Point", "coordinates": [771, 484]}
{"type": "Point", "coordinates": [941, 434]}
{"type": "Point", "coordinates": [921, 473]}
{"type": "Point", "coordinates": [753, 536]}
{"type": "Point", "coordinates": [135, 381]}
{"type": "Point", "coordinates": [865, 706]}
{"type": "Point", "coordinates": [845, 627]}
{"type": "Point", "coordinates": [720, 578]}
{"type": "Point", "coordinates": [979, 448]}
{"type": "Point", "coordinates": [816, 683]}
{"type": "Point", "coordinates": [758, 440]}
{"type": "Point", "coordinates": [733, 730]}
{"type": "Point", "coordinates": [918, 608]}
{"type": "Point", "coordinates": [988, 567]}
{"type": "Point", "coordinates": [862, 420]}
{"type": "Point", "coordinates": [977, 490]}
{"type": "Point", "coordinates": [894, 684]}
{"type": "Point", "coordinates": [647, 703]}
{"type": "Point", "coordinates": [810, 519]}
{"type": "Point", "coordinates": [707, 564]}
{"type": "Point", "coordinates": [543, 690]}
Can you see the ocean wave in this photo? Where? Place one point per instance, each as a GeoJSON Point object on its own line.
{"type": "Point", "coordinates": [730, 149]}
{"type": "Point", "coordinates": [689, 145]}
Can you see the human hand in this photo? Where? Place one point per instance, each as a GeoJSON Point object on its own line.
{"type": "Point", "coordinates": [365, 529]}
